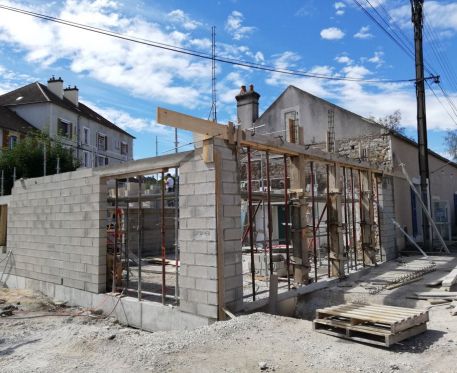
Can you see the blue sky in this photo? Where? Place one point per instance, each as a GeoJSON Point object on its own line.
{"type": "Point", "coordinates": [127, 81]}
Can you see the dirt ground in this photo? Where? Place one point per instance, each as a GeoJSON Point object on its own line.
{"type": "Point", "coordinates": [41, 337]}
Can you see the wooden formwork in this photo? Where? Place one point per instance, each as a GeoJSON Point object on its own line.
{"type": "Point", "coordinates": [374, 324]}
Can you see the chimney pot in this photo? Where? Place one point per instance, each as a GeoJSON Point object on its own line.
{"type": "Point", "coordinates": [56, 86]}
{"type": "Point", "coordinates": [247, 107]}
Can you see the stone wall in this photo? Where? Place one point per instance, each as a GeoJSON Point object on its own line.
{"type": "Point", "coordinates": [56, 230]}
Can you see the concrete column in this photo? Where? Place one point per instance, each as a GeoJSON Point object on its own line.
{"type": "Point", "coordinates": [301, 220]}
{"type": "Point", "coordinates": [334, 224]}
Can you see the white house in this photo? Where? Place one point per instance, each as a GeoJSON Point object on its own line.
{"type": "Point", "coordinates": [94, 139]}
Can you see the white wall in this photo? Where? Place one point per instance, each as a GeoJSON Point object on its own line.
{"type": "Point", "coordinates": [44, 116]}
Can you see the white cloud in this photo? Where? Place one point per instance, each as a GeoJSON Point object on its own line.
{"type": "Point", "coordinates": [363, 33]}
{"type": "Point", "coordinates": [441, 16]}
{"type": "Point", "coordinates": [377, 58]}
{"type": "Point", "coordinates": [145, 72]}
{"type": "Point", "coordinates": [332, 33]}
{"type": "Point", "coordinates": [127, 122]}
{"type": "Point", "coordinates": [178, 16]}
{"type": "Point", "coordinates": [234, 26]}
{"type": "Point", "coordinates": [343, 59]}
{"type": "Point", "coordinates": [259, 57]}
{"type": "Point", "coordinates": [363, 98]}
{"type": "Point", "coordinates": [340, 8]}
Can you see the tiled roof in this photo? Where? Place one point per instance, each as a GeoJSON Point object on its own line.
{"type": "Point", "coordinates": [11, 121]}
{"type": "Point", "coordinates": [37, 93]}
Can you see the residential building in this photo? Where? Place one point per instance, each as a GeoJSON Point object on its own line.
{"type": "Point", "coordinates": [95, 140]}
{"type": "Point", "coordinates": [12, 128]}
{"type": "Point", "coordinates": [299, 117]}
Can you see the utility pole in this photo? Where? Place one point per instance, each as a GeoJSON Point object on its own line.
{"type": "Point", "coordinates": [417, 19]}
{"type": "Point", "coordinates": [176, 140]}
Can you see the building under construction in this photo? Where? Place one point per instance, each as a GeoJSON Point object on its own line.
{"type": "Point", "coordinates": [258, 213]}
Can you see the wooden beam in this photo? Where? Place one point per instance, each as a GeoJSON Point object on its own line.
{"type": "Point", "coordinates": [190, 123]}
{"type": "Point", "coordinates": [334, 224]}
{"type": "Point", "coordinates": [257, 142]}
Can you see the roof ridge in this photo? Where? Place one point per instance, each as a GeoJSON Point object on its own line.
{"type": "Point", "coordinates": [42, 91]}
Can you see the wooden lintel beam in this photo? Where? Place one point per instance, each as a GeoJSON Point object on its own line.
{"type": "Point", "coordinates": [263, 143]}
{"type": "Point", "coordinates": [190, 123]}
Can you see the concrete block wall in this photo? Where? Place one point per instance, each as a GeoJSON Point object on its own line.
{"type": "Point", "coordinates": [56, 230]}
{"type": "Point", "coordinates": [387, 209]}
{"type": "Point", "coordinates": [230, 208]}
{"type": "Point", "coordinates": [198, 233]}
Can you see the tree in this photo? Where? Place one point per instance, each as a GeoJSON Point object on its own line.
{"type": "Point", "coordinates": [27, 157]}
{"type": "Point", "coordinates": [451, 143]}
{"type": "Point", "coordinates": [391, 122]}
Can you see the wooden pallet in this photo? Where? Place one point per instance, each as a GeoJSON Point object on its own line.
{"type": "Point", "coordinates": [375, 324]}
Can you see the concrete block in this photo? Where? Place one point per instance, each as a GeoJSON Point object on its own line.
{"type": "Point", "coordinates": [186, 306]}
{"type": "Point", "coordinates": [206, 260]}
{"type": "Point", "coordinates": [206, 284]}
{"type": "Point", "coordinates": [207, 310]}
{"type": "Point", "coordinates": [197, 296]}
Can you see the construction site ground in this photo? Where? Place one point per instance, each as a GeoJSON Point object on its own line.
{"type": "Point", "coordinates": [43, 337]}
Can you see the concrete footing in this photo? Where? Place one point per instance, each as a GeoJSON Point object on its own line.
{"type": "Point", "coordinates": [145, 315]}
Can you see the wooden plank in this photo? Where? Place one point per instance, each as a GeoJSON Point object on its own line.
{"type": "Point", "coordinates": [385, 308]}
{"type": "Point", "coordinates": [358, 313]}
{"type": "Point", "coordinates": [437, 294]}
{"type": "Point", "coordinates": [190, 123]}
{"type": "Point", "coordinates": [405, 334]}
{"type": "Point", "coordinates": [366, 334]}
{"type": "Point", "coordinates": [450, 279]}
{"type": "Point", "coordinates": [385, 311]}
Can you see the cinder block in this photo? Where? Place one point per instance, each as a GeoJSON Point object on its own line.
{"type": "Point", "coordinates": [206, 260]}
{"type": "Point", "coordinates": [206, 284]}
{"type": "Point", "coordinates": [197, 296]}
{"type": "Point", "coordinates": [207, 310]}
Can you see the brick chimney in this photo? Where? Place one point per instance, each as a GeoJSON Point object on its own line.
{"type": "Point", "coordinates": [56, 86]}
{"type": "Point", "coordinates": [72, 94]}
{"type": "Point", "coordinates": [247, 104]}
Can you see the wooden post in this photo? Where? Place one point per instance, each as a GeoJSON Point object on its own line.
{"type": "Point", "coordinates": [367, 218]}
{"type": "Point", "coordinates": [334, 224]}
{"type": "Point", "coordinates": [301, 226]}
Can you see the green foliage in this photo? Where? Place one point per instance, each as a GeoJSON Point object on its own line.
{"type": "Point", "coordinates": [451, 143]}
{"type": "Point", "coordinates": [28, 157]}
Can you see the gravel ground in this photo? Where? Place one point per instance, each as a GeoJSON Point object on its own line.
{"type": "Point", "coordinates": [88, 344]}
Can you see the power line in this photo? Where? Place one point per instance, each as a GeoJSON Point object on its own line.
{"type": "Point", "coordinates": [401, 40]}
{"type": "Point", "coordinates": [199, 54]}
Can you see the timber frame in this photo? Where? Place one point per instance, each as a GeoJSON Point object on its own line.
{"type": "Point", "coordinates": [299, 154]}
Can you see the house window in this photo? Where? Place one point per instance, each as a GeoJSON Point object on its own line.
{"type": "Point", "coordinates": [102, 142]}
{"type": "Point", "coordinates": [64, 128]}
{"type": "Point", "coordinates": [101, 160]}
{"type": "Point", "coordinates": [87, 160]}
{"type": "Point", "coordinates": [12, 141]}
{"type": "Point", "coordinates": [292, 127]}
{"type": "Point", "coordinates": [124, 148]}
{"type": "Point", "coordinates": [86, 135]}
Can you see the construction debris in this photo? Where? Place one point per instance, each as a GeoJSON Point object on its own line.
{"type": "Point", "coordinates": [374, 324]}
{"type": "Point", "coordinates": [405, 274]}
{"type": "Point", "coordinates": [449, 280]}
